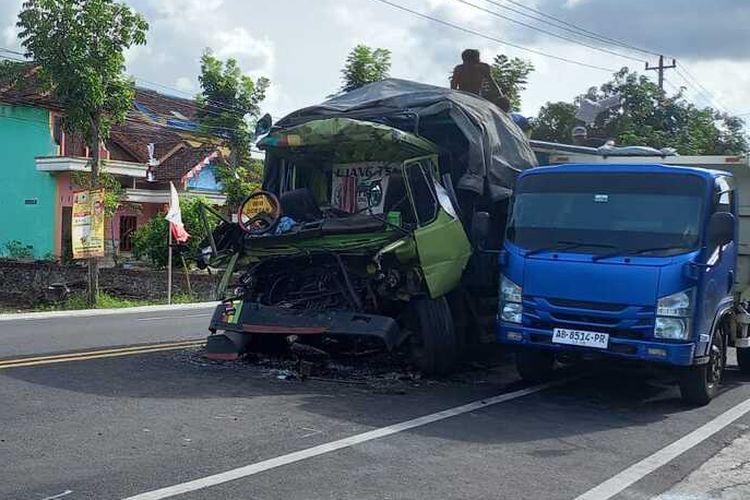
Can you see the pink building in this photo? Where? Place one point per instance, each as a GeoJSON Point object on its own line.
{"type": "Point", "coordinates": [180, 154]}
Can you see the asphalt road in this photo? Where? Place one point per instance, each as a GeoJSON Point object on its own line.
{"type": "Point", "coordinates": [120, 427]}
{"type": "Point", "coordinates": [53, 334]}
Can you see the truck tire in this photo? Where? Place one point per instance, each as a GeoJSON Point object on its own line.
{"type": "Point", "coordinates": [700, 383]}
{"type": "Point", "coordinates": [743, 359]}
{"type": "Point", "coordinates": [434, 346]}
{"type": "Point", "coordinates": [535, 365]}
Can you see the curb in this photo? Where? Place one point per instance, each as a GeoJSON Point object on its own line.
{"type": "Point", "coordinates": [82, 313]}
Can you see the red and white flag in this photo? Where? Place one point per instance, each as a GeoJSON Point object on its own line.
{"type": "Point", "coordinates": [174, 216]}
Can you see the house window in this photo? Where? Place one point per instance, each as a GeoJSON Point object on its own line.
{"type": "Point", "coordinates": [127, 227]}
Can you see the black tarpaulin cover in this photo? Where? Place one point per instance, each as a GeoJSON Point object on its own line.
{"type": "Point", "coordinates": [482, 146]}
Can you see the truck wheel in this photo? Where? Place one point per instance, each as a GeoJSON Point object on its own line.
{"type": "Point", "coordinates": [743, 359]}
{"type": "Point", "coordinates": [700, 383]}
{"type": "Point", "coordinates": [535, 365]}
{"type": "Point", "coordinates": [434, 347]}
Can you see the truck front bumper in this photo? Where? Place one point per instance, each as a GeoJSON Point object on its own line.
{"type": "Point", "coordinates": [670, 353]}
{"type": "Point", "coordinates": [251, 318]}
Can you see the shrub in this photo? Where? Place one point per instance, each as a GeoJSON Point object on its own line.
{"type": "Point", "coordinates": [150, 240]}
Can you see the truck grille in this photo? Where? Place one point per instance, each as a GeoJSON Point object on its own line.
{"type": "Point", "coordinates": [618, 320]}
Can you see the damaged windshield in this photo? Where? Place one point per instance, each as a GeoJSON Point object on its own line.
{"type": "Point", "coordinates": [350, 191]}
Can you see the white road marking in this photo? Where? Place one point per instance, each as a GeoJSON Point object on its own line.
{"type": "Point", "coordinates": [639, 470]}
{"type": "Point", "coordinates": [60, 495]}
{"type": "Point", "coordinates": [158, 318]}
{"type": "Point", "coordinates": [79, 313]}
{"type": "Point", "coordinates": [280, 461]}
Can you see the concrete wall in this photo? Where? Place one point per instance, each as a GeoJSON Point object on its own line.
{"type": "Point", "coordinates": [27, 197]}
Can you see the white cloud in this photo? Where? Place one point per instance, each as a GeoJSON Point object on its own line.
{"type": "Point", "coordinates": [301, 45]}
{"type": "Point", "coordinates": [186, 85]}
{"type": "Point", "coordinates": [238, 43]}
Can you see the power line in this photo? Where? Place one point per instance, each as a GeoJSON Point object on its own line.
{"type": "Point", "coordinates": [489, 37]}
{"type": "Point", "coordinates": [558, 24]}
{"type": "Point", "coordinates": [593, 34]}
{"type": "Point", "coordinates": [709, 94]}
{"type": "Point", "coordinates": [211, 108]}
{"type": "Point", "coordinates": [701, 91]}
{"type": "Point", "coordinates": [11, 51]}
{"type": "Point", "coordinates": [547, 32]}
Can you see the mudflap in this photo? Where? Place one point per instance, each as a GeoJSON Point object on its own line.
{"type": "Point", "coordinates": [227, 346]}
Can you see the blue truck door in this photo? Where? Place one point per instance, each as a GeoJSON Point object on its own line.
{"type": "Point", "coordinates": [717, 282]}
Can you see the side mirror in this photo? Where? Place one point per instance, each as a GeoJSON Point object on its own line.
{"type": "Point", "coordinates": [721, 228]}
{"type": "Point", "coordinates": [480, 230]}
{"type": "Point", "coordinates": [263, 126]}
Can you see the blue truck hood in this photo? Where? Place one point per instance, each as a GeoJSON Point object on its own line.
{"type": "Point", "coordinates": [612, 282]}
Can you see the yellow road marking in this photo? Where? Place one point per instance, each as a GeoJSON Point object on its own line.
{"type": "Point", "coordinates": [105, 351]}
{"type": "Point", "coordinates": [109, 353]}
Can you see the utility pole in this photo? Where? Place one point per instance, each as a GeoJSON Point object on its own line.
{"type": "Point", "coordinates": [661, 69]}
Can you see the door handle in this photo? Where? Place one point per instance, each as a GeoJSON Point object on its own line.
{"type": "Point", "coordinates": [730, 284]}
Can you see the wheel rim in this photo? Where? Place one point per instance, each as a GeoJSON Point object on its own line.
{"type": "Point", "coordinates": [713, 374]}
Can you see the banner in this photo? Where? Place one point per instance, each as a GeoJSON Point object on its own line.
{"type": "Point", "coordinates": [88, 224]}
{"type": "Point", "coordinates": [360, 186]}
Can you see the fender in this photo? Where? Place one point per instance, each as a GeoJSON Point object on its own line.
{"type": "Point", "coordinates": [724, 310]}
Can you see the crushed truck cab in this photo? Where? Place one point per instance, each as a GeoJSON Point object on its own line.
{"type": "Point", "coordinates": [629, 261]}
{"type": "Point", "coordinates": [360, 238]}
{"type": "Point", "coordinates": [364, 230]}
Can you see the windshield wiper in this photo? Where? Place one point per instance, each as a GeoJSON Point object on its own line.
{"type": "Point", "coordinates": [562, 245]}
{"type": "Point", "coordinates": [639, 251]}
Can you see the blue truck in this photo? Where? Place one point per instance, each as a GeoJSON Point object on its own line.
{"type": "Point", "coordinates": [629, 259]}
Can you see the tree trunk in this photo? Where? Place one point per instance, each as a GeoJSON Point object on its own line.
{"type": "Point", "coordinates": [93, 274]}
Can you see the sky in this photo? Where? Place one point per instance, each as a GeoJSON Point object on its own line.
{"type": "Point", "coordinates": [301, 45]}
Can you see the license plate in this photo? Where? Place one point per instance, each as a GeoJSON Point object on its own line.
{"type": "Point", "coordinates": [580, 338]}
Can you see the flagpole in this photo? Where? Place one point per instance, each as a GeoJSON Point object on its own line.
{"type": "Point", "coordinates": [176, 231]}
{"type": "Point", "coordinates": [169, 269]}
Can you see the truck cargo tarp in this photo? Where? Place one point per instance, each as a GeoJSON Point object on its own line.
{"type": "Point", "coordinates": [480, 145]}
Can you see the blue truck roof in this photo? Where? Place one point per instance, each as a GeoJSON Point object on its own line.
{"type": "Point", "coordinates": [626, 167]}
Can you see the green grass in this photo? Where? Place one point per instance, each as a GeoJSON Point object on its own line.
{"type": "Point", "coordinates": [107, 301]}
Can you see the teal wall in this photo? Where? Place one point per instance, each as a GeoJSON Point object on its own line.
{"type": "Point", "coordinates": [24, 135]}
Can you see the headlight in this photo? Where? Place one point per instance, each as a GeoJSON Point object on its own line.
{"type": "Point", "coordinates": [671, 328]}
{"type": "Point", "coordinates": [511, 295]}
{"type": "Point", "coordinates": [675, 305]}
{"type": "Point", "coordinates": [509, 291]}
{"type": "Point", "coordinates": [673, 316]}
{"type": "Point", "coordinates": [512, 313]}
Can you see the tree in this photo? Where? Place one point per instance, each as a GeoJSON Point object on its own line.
{"type": "Point", "coordinates": [365, 65]}
{"type": "Point", "coordinates": [229, 105]}
{"type": "Point", "coordinates": [649, 117]}
{"type": "Point", "coordinates": [555, 122]}
{"type": "Point", "coordinates": [511, 76]}
{"type": "Point", "coordinates": [80, 46]}
{"type": "Point", "coordinates": [239, 182]}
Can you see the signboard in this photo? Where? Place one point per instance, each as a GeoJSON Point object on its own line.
{"type": "Point", "coordinates": [87, 229]}
{"type": "Point", "coordinates": [357, 187]}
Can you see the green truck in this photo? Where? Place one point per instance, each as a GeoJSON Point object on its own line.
{"type": "Point", "coordinates": [360, 240]}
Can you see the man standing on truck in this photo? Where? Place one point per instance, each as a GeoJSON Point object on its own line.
{"type": "Point", "coordinates": [476, 77]}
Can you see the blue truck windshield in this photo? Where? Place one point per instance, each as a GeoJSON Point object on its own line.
{"type": "Point", "coordinates": [608, 213]}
